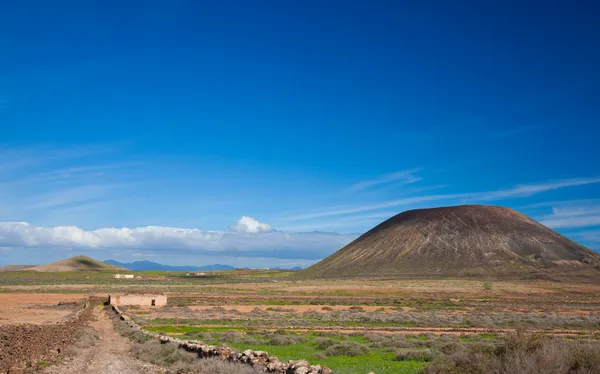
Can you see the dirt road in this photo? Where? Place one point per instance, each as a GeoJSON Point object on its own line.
{"type": "Point", "coordinates": [110, 355]}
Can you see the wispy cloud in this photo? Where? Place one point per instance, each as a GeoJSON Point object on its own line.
{"type": "Point", "coordinates": [47, 181]}
{"type": "Point", "coordinates": [88, 169]}
{"type": "Point", "coordinates": [398, 178]}
{"type": "Point", "coordinates": [514, 131]}
{"type": "Point", "coordinates": [514, 192]}
{"type": "Point", "coordinates": [526, 190]}
{"type": "Point", "coordinates": [572, 222]}
{"type": "Point", "coordinates": [573, 214]}
{"type": "Point", "coordinates": [342, 224]}
{"type": "Point", "coordinates": [69, 196]}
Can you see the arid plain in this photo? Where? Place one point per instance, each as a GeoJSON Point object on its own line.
{"type": "Point", "coordinates": [350, 326]}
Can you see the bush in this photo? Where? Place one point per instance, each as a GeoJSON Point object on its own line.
{"type": "Point", "coordinates": [212, 366]}
{"type": "Point", "coordinates": [324, 343]}
{"type": "Point", "coordinates": [414, 355]}
{"type": "Point", "coordinates": [232, 336]}
{"type": "Point", "coordinates": [348, 348]}
{"type": "Point", "coordinates": [355, 308]}
{"type": "Point", "coordinates": [487, 285]}
{"type": "Point", "coordinates": [286, 340]}
{"type": "Point", "coordinates": [161, 354]}
{"type": "Point", "coordinates": [140, 337]}
{"type": "Point", "coordinates": [518, 353]}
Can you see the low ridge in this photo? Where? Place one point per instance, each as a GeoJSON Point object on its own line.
{"type": "Point", "coordinates": [77, 263]}
{"type": "Point", "coordinates": [458, 240]}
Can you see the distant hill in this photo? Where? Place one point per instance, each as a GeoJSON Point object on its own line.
{"type": "Point", "coordinates": [8, 268]}
{"type": "Point", "coordinates": [295, 268]}
{"type": "Point", "coordinates": [77, 263]}
{"type": "Point", "coordinates": [149, 265]}
{"type": "Point", "coordinates": [460, 240]}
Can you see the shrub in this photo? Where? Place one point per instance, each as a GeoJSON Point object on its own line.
{"type": "Point", "coordinates": [348, 348]}
{"type": "Point", "coordinates": [286, 340]}
{"type": "Point", "coordinates": [140, 337]}
{"type": "Point", "coordinates": [324, 343]}
{"type": "Point", "coordinates": [414, 355]}
{"type": "Point", "coordinates": [161, 354]}
{"type": "Point", "coordinates": [355, 308]}
{"type": "Point", "coordinates": [232, 336]}
{"type": "Point", "coordinates": [281, 310]}
{"type": "Point", "coordinates": [212, 366]}
{"type": "Point", "coordinates": [519, 353]}
{"type": "Point", "coordinates": [487, 285]}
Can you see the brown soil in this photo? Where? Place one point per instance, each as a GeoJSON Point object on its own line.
{"type": "Point", "coordinates": [33, 308]}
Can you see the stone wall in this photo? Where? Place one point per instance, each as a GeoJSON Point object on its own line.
{"type": "Point", "coordinates": [258, 359]}
{"type": "Point", "coordinates": [22, 345]}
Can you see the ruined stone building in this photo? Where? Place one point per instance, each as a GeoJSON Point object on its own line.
{"type": "Point", "coordinates": [141, 299]}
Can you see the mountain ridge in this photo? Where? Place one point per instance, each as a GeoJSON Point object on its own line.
{"type": "Point", "coordinates": [149, 265]}
{"type": "Point", "coordinates": [458, 240]}
{"type": "Point", "coordinates": [76, 263]}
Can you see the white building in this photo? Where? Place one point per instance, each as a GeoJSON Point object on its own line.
{"type": "Point", "coordinates": [123, 276]}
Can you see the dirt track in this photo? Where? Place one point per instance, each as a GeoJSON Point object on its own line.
{"type": "Point", "coordinates": [109, 356]}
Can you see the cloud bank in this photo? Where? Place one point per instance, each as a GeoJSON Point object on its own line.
{"type": "Point", "coordinates": [252, 239]}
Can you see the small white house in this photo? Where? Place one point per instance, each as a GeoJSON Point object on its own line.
{"type": "Point", "coordinates": [123, 276]}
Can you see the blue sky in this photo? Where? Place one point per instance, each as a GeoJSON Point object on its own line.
{"type": "Point", "coordinates": [228, 132]}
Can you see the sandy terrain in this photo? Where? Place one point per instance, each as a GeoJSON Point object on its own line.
{"type": "Point", "coordinates": [35, 308]}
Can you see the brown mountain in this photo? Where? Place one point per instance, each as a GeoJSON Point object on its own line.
{"type": "Point", "coordinates": [77, 263]}
{"type": "Point", "coordinates": [459, 240]}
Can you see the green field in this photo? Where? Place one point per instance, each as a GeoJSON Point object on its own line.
{"type": "Point", "coordinates": [378, 360]}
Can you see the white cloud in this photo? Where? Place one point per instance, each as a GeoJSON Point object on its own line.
{"type": "Point", "coordinates": [250, 225]}
{"type": "Point", "coordinates": [256, 241]}
{"type": "Point", "coordinates": [572, 222]}
{"type": "Point", "coordinates": [573, 214]}
{"type": "Point", "coordinates": [526, 190]}
{"type": "Point", "coordinates": [400, 177]}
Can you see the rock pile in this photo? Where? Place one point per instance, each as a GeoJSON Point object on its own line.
{"type": "Point", "coordinates": [257, 359]}
{"type": "Point", "coordinates": [21, 345]}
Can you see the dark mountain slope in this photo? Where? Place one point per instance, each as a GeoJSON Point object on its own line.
{"type": "Point", "coordinates": [459, 240]}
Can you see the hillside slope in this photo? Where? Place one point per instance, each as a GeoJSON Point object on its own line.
{"type": "Point", "coordinates": [77, 263]}
{"type": "Point", "coordinates": [459, 240]}
{"type": "Point", "coordinates": [9, 268]}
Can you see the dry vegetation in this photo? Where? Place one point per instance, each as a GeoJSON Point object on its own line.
{"type": "Point", "coordinates": [385, 326]}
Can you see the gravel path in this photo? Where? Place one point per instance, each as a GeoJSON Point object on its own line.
{"type": "Point", "coordinates": [110, 355]}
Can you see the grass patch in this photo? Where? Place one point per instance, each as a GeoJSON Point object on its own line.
{"type": "Point", "coordinates": [343, 354]}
